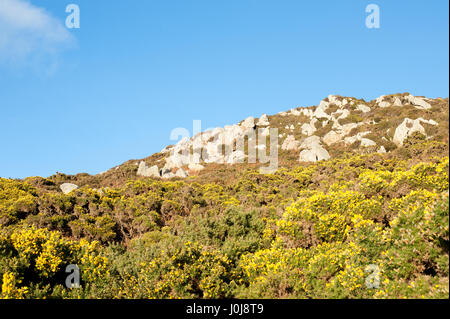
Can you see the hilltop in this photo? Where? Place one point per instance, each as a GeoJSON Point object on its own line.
{"type": "Point", "coordinates": [304, 135]}
{"type": "Point", "coordinates": [355, 205]}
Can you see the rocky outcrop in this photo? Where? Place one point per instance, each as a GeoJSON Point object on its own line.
{"type": "Point", "coordinates": [408, 127]}
{"type": "Point", "coordinates": [181, 173]}
{"type": "Point", "coordinates": [249, 122]}
{"type": "Point", "coordinates": [418, 102]}
{"type": "Point", "coordinates": [225, 145]}
{"type": "Point", "coordinates": [402, 100]}
{"type": "Point", "coordinates": [145, 171]}
{"type": "Point", "coordinates": [309, 128]}
{"type": "Point", "coordinates": [290, 143]}
{"type": "Point", "coordinates": [332, 137]}
{"type": "Point", "coordinates": [313, 150]}
{"type": "Point", "coordinates": [359, 137]}
{"type": "Point", "coordinates": [66, 188]}
{"type": "Point", "coordinates": [365, 142]}
{"type": "Point", "coordinates": [363, 108]}
{"type": "Point", "coordinates": [166, 173]}
{"type": "Point", "coordinates": [263, 121]}
{"type": "Point", "coordinates": [382, 102]}
{"type": "Point", "coordinates": [320, 110]}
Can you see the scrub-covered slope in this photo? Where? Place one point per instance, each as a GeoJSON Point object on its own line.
{"type": "Point", "coordinates": [357, 207]}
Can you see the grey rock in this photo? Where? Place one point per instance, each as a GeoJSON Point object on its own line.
{"type": "Point", "coordinates": [181, 173]}
{"type": "Point", "coordinates": [408, 127]}
{"type": "Point", "coordinates": [66, 188]}
{"type": "Point", "coordinates": [365, 142]}
{"type": "Point", "coordinates": [290, 143]}
{"type": "Point", "coordinates": [418, 102]}
{"type": "Point", "coordinates": [332, 137]}
{"type": "Point", "coordinates": [317, 153]}
{"type": "Point", "coordinates": [363, 108]}
{"type": "Point", "coordinates": [145, 171]}
{"type": "Point", "coordinates": [249, 122]}
{"type": "Point", "coordinates": [263, 120]}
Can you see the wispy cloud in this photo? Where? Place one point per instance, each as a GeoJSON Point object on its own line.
{"type": "Point", "coordinates": [29, 34]}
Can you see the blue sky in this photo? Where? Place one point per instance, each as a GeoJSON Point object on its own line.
{"type": "Point", "coordinates": [85, 100]}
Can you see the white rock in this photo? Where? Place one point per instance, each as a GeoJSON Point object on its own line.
{"type": "Point", "coordinates": [317, 153]}
{"type": "Point", "coordinates": [333, 99]}
{"type": "Point", "coordinates": [431, 122]}
{"type": "Point", "coordinates": [290, 143]}
{"type": "Point", "coordinates": [145, 171]}
{"type": "Point", "coordinates": [358, 137]}
{"type": "Point", "coordinates": [407, 128]}
{"type": "Point", "coordinates": [418, 102]}
{"type": "Point", "coordinates": [310, 142]}
{"type": "Point", "coordinates": [343, 114]}
{"type": "Point", "coordinates": [319, 113]}
{"type": "Point", "coordinates": [363, 108]}
{"type": "Point", "coordinates": [66, 188]}
{"type": "Point", "coordinates": [320, 110]}
{"type": "Point", "coordinates": [381, 103]}
{"type": "Point", "coordinates": [181, 173]}
{"type": "Point", "coordinates": [166, 149]}
{"type": "Point", "coordinates": [168, 175]}
{"type": "Point", "coordinates": [347, 128]}
{"type": "Point", "coordinates": [313, 150]}
{"type": "Point", "coordinates": [332, 137]}
{"type": "Point", "coordinates": [263, 120]}
{"type": "Point", "coordinates": [177, 160]}
{"type": "Point", "coordinates": [397, 101]}
{"type": "Point", "coordinates": [249, 122]}
{"type": "Point", "coordinates": [307, 112]}
{"type": "Point", "coordinates": [350, 140]}
{"type": "Point", "coordinates": [365, 142]}
{"type": "Point", "coordinates": [308, 129]}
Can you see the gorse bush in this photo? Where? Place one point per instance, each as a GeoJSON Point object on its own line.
{"type": "Point", "coordinates": [356, 226]}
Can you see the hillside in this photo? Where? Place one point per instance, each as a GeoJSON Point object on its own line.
{"type": "Point", "coordinates": [356, 207]}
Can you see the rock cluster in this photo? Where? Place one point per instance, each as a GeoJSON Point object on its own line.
{"type": "Point", "coordinates": [145, 171]}
{"type": "Point", "coordinates": [408, 127]}
{"type": "Point", "coordinates": [165, 172]}
{"type": "Point", "coordinates": [313, 150]}
{"type": "Point", "coordinates": [393, 100]}
{"type": "Point", "coordinates": [220, 145]}
{"type": "Point", "coordinates": [290, 143]}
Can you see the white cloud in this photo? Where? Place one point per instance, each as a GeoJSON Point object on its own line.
{"type": "Point", "coordinates": [30, 34]}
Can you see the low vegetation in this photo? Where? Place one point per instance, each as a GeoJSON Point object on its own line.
{"type": "Point", "coordinates": [355, 226]}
